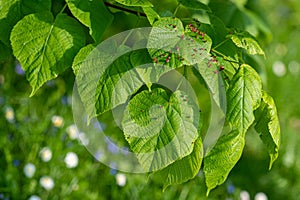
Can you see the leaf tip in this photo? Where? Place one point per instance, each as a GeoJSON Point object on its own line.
{"type": "Point", "coordinates": [207, 192]}
{"type": "Point", "coordinates": [273, 158]}
{"type": "Point", "coordinates": [33, 91]}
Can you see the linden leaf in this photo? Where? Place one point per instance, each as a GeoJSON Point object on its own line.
{"type": "Point", "coordinates": [45, 46]}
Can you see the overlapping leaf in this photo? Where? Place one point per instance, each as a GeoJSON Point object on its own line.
{"type": "Point", "coordinates": [194, 4]}
{"type": "Point", "coordinates": [222, 158]}
{"type": "Point", "coordinates": [243, 97]}
{"type": "Point", "coordinates": [143, 3]}
{"type": "Point", "coordinates": [151, 14]}
{"type": "Point", "coordinates": [160, 129]}
{"type": "Point", "coordinates": [246, 41]}
{"type": "Point", "coordinates": [11, 11]}
{"type": "Point", "coordinates": [81, 55]}
{"type": "Point", "coordinates": [210, 70]}
{"type": "Point", "coordinates": [184, 169]}
{"type": "Point", "coordinates": [118, 77]}
{"type": "Point", "coordinates": [171, 45]}
{"type": "Point", "coordinates": [92, 14]}
{"type": "Point", "coordinates": [46, 46]}
{"type": "Point", "coordinates": [267, 124]}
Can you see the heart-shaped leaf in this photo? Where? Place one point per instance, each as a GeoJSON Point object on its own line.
{"type": "Point", "coordinates": [160, 129]}
{"type": "Point", "coordinates": [45, 46]}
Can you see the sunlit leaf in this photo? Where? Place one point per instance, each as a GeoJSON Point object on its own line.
{"type": "Point", "coordinates": [143, 3]}
{"type": "Point", "coordinates": [81, 55]}
{"type": "Point", "coordinates": [211, 71]}
{"type": "Point", "coordinates": [184, 169]}
{"type": "Point", "coordinates": [151, 14]}
{"type": "Point", "coordinates": [246, 41]}
{"type": "Point", "coordinates": [46, 46]}
{"type": "Point", "coordinates": [243, 97]}
{"type": "Point", "coordinates": [160, 129]}
{"type": "Point", "coordinates": [11, 11]}
{"type": "Point", "coordinates": [222, 158]}
{"type": "Point", "coordinates": [171, 45]}
{"type": "Point", "coordinates": [92, 14]}
{"type": "Point", "coordinates": [267, 125]}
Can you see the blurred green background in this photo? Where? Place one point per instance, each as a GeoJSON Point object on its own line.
{"type": "Point", "coordinates": [41, 157]}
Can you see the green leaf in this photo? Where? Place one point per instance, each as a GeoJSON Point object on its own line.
{"type": "Point", "coordinates": [92, 14]}
{"type": "Point", "coordinates": [44, 46]}
{"type": "Point", "coordinates": [11, 11]}
{"type": "Point", "coordinates": [267, 124]}
{"type": "Point", "coordinates": [234, 14]}
{"type": "Point", "coordinates": [243, 97]}
{"type": "Point", "coordinates": [104, 88]}
{"type": "Point", "coordinates": [194, 4]}
{"type": "Point", "coordinates": [81, 55]}
{"type": "Point", "coordinates": [123, 78]}
{"type": "Point", "coordinates": [142, 62]}
{"type": "Point", "coordinates": [143, 3]}
{"type": "Point", "coordinates": [210, 70]}
{"type": "Point", "coordinates": [33, 6]}
{"type": "Point", "coordinates": [184, 169]}
{"type": "Point", "coordinates": [160, 129]}
{"type": "Point", "coordinates": [171, 45]}
{"type": "Point", "coordinates": [222, 158]}
{"type": "Point", "coordinates": [217, 31]}
{"type": "Point", "coordinates": [119, 77]}
{"type": "Point", "coordinates": [151, 14]}
{"type": "Point", "coordinates": [246, 41]}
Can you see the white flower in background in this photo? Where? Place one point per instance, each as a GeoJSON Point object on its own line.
{"type": "Point", "coordinates": [47, 182]}
{"type": "Point", "coordinates": [260, 196]}
{"type": "Point", "coordinates": [57, 121]}
{"type": "Point", "coordinates": [294, 67]}
{"type": "Point", "coordinates": [46, 154]}
{"type": "Point", "coordinates": [73, 132]}
{"type": "Point", "coordinates": [75, 187]}
{"type": "Point", "coordinates": [71, 160]}
{"type": "Point", "coordinates": [9, 114]}
{"type": "Point", "coordinates": [83, 139]}
{"type": "Point", "coordinates": [29, 170]}
{"type": "Point", "coordinates": [121, 179]}
{"type": "Point", "coordinates": [281, 49]}
{"type": "Point", "coordinates": [34, 197]}
{"type": "Point", "coordinates": [279, 68]}
{"type": "Point", "coordinates": [244, 195]}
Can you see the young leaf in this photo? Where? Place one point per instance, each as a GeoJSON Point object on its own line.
{"type": "Point", "coordinates": [184, 169]}
{"type": "Point", "coordinates": [160, 129]}
{"type": "Point", "coordinates": [267, 124]}
{"type": "Point", "coordinates": [92, 14]}
{"type": "Point", "coordinates": [45, 46]}
{"type": "Point", "coordinates": [246, 41]}
{"type": "Point", "coordinates": [243, 97]}
{"type": "Point", "coordinates": [194, 4]}
{"type": "Point", "coordinates": [222, 158]}
{"type": "Point", "coordinates": [143, 3]}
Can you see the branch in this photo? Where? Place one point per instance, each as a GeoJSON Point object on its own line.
{"type": "Point", "coordinates": [125, 9]}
